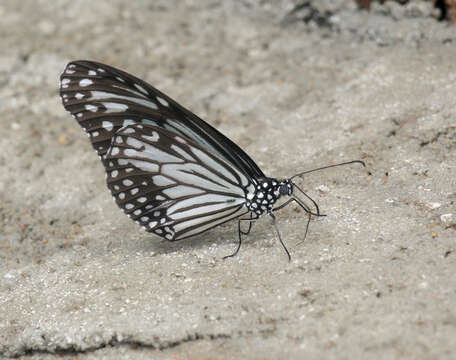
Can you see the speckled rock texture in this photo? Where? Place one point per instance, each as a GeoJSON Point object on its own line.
{"type": "Point", "coordinates": [297, 87]}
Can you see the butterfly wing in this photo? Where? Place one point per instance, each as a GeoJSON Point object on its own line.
{"type": "Point", "coordinates": [103, 99]}
{"type": "Point", "coordinates": [170, 184]}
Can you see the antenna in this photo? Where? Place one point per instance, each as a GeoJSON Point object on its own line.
{"type": "Point", "coordinates": [329, 166]}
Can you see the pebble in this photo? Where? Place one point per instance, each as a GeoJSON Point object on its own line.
{"type": "Point", "coordinates": [323, 189]}
{"type": "Point", "coordinates": [433, 205]}
{"type": "Point", "coordinates": [447, 220]}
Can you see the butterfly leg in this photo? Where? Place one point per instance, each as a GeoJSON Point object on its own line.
{"type": "Point", "coordinates": [308, 197]}
{"type": "Point", "coordinates": [251, 220]}
{"type": "Point", "coordinates": [240, 232]}
{"type": "Point", "coordinates": [278, 235]}
{"type": "Point", "coordinates": [300, 203]}
{"type": "Point", "coordinates": [306, 209]}
{"type": "Point", "coordinates": [283, 205]}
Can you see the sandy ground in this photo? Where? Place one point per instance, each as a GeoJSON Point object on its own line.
{"type": "Point", "coordinates": [297, 90]}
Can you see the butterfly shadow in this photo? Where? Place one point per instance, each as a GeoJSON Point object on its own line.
{"type": "Point", "coordinates": [225, 237]}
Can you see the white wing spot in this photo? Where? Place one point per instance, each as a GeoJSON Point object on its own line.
{"type": "Point", "coordinates": [79, 96]}
{"type": "Point", "coordinates": [159, 197]}
{"type": "Point", "coordinates": [134, 143]}
{"type": "Point", "coordinates": [134, 191]}
{"type": "Point", "coordinates": [64, 83]}
{"type": "Point", "coordinates": [98, 95]}
{"type": "Point", "coordinates": [137, 212]}
{"type": "Point", "coordinates": [149, 122]}
{"type": "Point", "coordinates": [95, 133]}
{"type": "Point", "coordinates": [91, 108]}
{"type": "Point", "coordinates": [180, 140]}
{"type": "Point", "coordinates": [128, 131]}
{"type": "Point", "coordinates": [114, 151]}
{"type": "Point", "coordinates": [162, 101]}
{"type": "Point", "coordinates": [128, 170]}
{"type": "Point", "coordinates": [92, 72]}
{"type": "Point", "coordinates": [107, 125]}
{"type": "Point", "coordinates": [120, 79]}
{"type": "Point", "coordinates": [121, 196]}
{"type": "Point", "coordinates": [156, 213]}
{"type": "Point", "coordinates": [127, 122]}
{"type": "Point", "coordinates": [140, 88]}
{"type": "Point", "coordinates": [144, 165]}
{"type": "Point", "coordinates": [116, 187]}
{"type": "Point", "coordinates": [182, 152]}
{"type": "Point", "coordinates": [155, 137]}
{"type": "Point", "coordinates": [119, 140]}
{"type": "Point", "coordinates": [122, 162]}
{"type": "Point", "coordinates": [127, 182]}
{"type": "Point", "coordinates": [114, 107]}
{"type": "Point", "coordinates": [152, 224]}
{"type": "Point", "coordinates": [101, 70]}
{"type": "Point", "coordinates": [68, 71]}
{"type": "Point", "coordinates": [142, 199]}
{"type": "Point", "coordinates": [145, 218]}
{"type": "Point", "coordinates": [158, 231]}
{"type": "Point", "coordinates": [85, 82]}
{"type": "Point", "coordinates": [79, 114]}
{"type": "Point", "coordinates": [168, 236]}
{"type": "Point", "coordinates": [114, 173]}
{"type": "Point", "coordinates": [129, 206]}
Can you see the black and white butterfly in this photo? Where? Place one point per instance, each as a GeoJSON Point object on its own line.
{"type": "Point", "coordinates": [168, 170]}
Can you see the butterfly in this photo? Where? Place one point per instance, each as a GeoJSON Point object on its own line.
{"type": "Point", "coordinates": [168, 170]}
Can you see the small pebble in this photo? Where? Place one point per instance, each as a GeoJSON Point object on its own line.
{"type": "Point", "coordinates": [433, 205]}
{"type": "Point", "coordinates": [447, 220]}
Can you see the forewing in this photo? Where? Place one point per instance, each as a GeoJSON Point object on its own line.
{"type": "Point", "coordinates": [171, 185]}
{"type": "Point", "coordinates": [103, 99]}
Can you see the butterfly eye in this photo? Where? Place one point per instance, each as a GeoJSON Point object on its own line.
{"type": "Point", "coordinates": [283, 189]}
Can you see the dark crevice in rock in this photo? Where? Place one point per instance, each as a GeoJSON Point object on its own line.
{"type": "Point", "coordinates": [448, 133]}
{"type": "Point", "coordinates": [114, 342]}
{"type": "Point", "coordinates": [307, 13]}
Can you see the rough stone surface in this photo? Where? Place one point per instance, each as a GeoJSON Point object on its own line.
{"type": "Point", "coordinates": [373, 280]}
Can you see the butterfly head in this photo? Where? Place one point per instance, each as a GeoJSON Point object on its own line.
{"type": "Point", "coordinates": [286, 187]}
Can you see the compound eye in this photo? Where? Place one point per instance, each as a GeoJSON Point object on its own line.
{"type": "Point", "coordinates": [283, 189]}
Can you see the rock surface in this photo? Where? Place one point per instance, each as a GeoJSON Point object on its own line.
{"type": "Point", "coordinates": [297, 88]}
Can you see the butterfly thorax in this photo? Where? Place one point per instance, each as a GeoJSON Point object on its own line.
{"type": "Point", "coordinates": [266, 194]}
